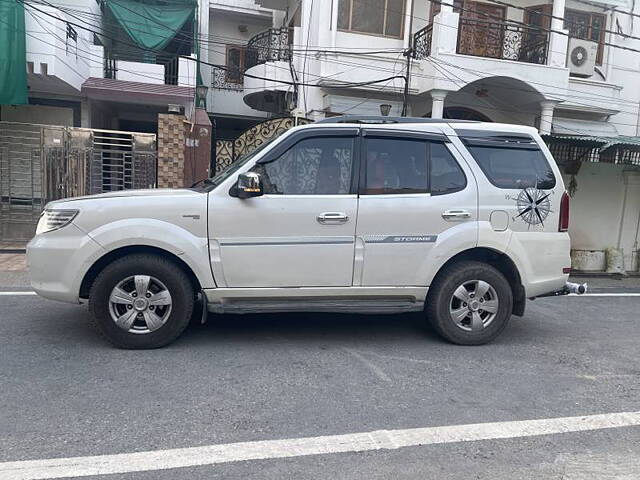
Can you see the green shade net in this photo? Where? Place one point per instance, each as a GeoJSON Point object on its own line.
{"type": "Point", "coordinates": [13, 56]}
{"type": "Point", "coordinates": [150, 25]}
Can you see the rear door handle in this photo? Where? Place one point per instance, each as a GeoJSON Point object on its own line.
{"type": "Point", "coordinates": [457, 214]}
{"type": "Point", "coordinates": [332, 218]}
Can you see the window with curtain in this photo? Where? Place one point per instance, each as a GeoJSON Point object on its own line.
{"type": "Point", "coordinates": [235, 63]}
{"type": "Point", "coordinates": [587, 26]}
{"type": "Point", "coordinates": [374, 17]}
{"type": "Point", "coordinates": [314, 166]}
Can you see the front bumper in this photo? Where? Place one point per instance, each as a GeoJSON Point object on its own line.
{"type": "Point", "coordinates": [58, 261]}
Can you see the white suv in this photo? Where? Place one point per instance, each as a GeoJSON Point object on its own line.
{"type": "Point", "coordinates": [461, 220]}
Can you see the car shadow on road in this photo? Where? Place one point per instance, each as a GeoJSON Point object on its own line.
{"type": "Point", "coordinates": [310, 327]}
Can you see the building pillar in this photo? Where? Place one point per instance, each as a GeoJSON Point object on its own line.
{"type": "Point", "coordinates": [171, 150]}
{"type": "Point", "coordinates": [546, 116]}
{"type": "Point", "coordinates": [557, 48]}
{"type": "Point", "coordinates": [85, 113]}
{"type": "Point", "coordinates": [197, 158]}
{"type": "Point", "coordinates": [437, 102]}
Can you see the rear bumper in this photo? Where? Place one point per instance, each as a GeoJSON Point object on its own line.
{"type": "Point", "coordinates": [541, 258]}
{"type": "Point", "coordinates": [58, 261]}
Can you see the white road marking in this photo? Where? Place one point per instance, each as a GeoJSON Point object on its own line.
{"type": "Point", "coordinates": [617, 466]}
{"type": "Point", "coordinates": [297, 447]}
{"type": "Point", "coordinates": [10, 294]}
{"type": "Point", "coordinates": [605, 295]}
{"type": "Point", "coordinates": [374, 368]}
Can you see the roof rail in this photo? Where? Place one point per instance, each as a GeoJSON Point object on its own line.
{"type": "Point", "coordinates": [375, 119]}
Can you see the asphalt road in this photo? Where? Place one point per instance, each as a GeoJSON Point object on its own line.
{"type": "Point", "coordinates": [64, 392]}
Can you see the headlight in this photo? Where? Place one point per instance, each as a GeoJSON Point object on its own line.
{"type": "Point", "coordinates": [54, 219]}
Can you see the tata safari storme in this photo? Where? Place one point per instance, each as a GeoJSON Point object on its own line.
{"type": "Point", "coordinates": [463, 221]}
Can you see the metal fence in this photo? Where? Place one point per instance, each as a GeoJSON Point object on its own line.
{"type": "Point", "coordinates": [269, 46]}
{"type": "Point", "coordinates": [20, 179]}
{"type": "Point", "coordinates": [228, 151]}
{"type": "Point", "coordinates": [422, 42]}
{"type": "Point", "coordinates": [40, 163]}
{"type": "Point", "coordinates": [503, 40]}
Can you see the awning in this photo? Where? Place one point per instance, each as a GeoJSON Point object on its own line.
{"type": "Point", "coordinates": [136, 92]}
{"type": "Point", "coordinates": [574, 141]}
{"type": "Point", "coordinates": [151, 24]}
{"type": "Point", "coordinates": [13, 57]}
{"type": "Point", "coordinates": [580, 128]}
{"type": "Point", "coordinates": [624, 4]}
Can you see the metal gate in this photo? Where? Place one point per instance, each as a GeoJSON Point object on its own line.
{"type": "Point", "coordinates": [228, 151]}
{"type": "Point", "coordinates": [40, 163]}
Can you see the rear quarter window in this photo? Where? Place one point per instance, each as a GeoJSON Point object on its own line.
{"type": "Point", "coordinates": [514, 168]}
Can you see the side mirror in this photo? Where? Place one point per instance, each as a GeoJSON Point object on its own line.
{"type": "Point", "coordinates": [249, 185]}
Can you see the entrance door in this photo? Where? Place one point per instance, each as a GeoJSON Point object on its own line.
{"type": "Point", "coordinates": [481, 30]}
{"type": "Point", "coordinates": [300, 233]}
{"type": "Point", "coordinates": [413, 192]}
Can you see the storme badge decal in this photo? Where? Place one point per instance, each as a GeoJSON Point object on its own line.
{"type": "Point", "coordinates": [400, 238]}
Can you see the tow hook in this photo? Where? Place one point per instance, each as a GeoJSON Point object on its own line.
{"type": "Point", "coordinates": [570, 288]}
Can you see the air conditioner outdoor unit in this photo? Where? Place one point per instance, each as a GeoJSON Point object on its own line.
{"type": "Point", "coordinates": [581, 58]}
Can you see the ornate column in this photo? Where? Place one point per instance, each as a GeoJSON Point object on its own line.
{"type": "Point", "coordinates": [437, 102]}
{"type": "Point", "coordinates": [546, 116]}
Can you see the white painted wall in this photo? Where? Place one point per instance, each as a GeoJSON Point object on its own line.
{"type": "Point", "coordinates": [49, 50]}
{"type": "Point", "coordinates": [140, 72]}
{"type": "Point", "coordinates": [40, 114]}
{"type": "Point", "coordinates": [601, 217]}
{"type": "Point", "coordinates": [225, 18]}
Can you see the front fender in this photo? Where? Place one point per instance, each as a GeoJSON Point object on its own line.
{"type": "Point", "coordinates": [191, 249]}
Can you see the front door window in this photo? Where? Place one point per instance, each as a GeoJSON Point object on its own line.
{"type": "Point", "coordinates": [316, 166]}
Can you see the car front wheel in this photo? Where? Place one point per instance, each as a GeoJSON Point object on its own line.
{"type": "Point", "coordinates": [141, 301]}
{"type": "Point", "coordinates": [470, 303]}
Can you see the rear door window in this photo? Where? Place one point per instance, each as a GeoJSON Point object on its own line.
{"type": "Point", "coordinates": [512, 167]}
{"type": "Point", "coordinates": [396, 166]}
{"type": "Point", "coordinates": [410, 165]}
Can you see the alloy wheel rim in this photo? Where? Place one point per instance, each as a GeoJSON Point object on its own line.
{"type": "Point", "coordinates": [473, 305]}
{"type": "Point", "coordinates": [140, 304]}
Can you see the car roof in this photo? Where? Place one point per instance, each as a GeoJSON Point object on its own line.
{"type": "Point", "coordinates": [461, 127]}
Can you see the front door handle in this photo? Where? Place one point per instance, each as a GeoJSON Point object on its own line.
{"type": "Point", "coordinates": [332, 218]}
{"type": "Point", "coordinates": [455, 215]}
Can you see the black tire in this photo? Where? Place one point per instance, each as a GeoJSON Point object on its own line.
{"type": "Point", "coordinates": [172, 276]}
{"type": "Point", "coordinates": [440, 296]}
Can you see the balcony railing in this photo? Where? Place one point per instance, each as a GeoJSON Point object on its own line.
{"type": "Point", "coordinates": [269, 46]}
{"type": "Point", "coordinates": [502, 40]}
{"type": "Point", "coordinates": [422, 42]}
{"type": "Point", "coordinates": [226, 79]}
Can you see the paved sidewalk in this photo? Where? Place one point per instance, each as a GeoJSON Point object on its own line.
{"type": "Point", "coordinates": [12, 262]}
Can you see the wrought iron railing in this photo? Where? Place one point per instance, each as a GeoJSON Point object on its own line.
{"type": "Point", "coordinates": [226, 79]}
{"type": "Point", "coordinates": [503, 40]}
{"type": "Point", "coordinates": [110, 67]}
{"type": "Point", "coordinates": [269, 46]}
{"type": "Point", "coordinates": [422, 42]}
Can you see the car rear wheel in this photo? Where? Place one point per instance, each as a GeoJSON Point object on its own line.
{"type": "Point", "coordinates": [469, 303]}
{"type": "Point", "coordinates": [141, 301]}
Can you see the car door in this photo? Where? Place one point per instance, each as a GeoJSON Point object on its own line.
{"type": "Point", "coordinates": [300, 233]}
{"type": "Point", "coordinates": [414, 195]}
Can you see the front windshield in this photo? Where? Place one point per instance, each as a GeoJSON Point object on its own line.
{"type": "Point", "coordinates": [211, 183]}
